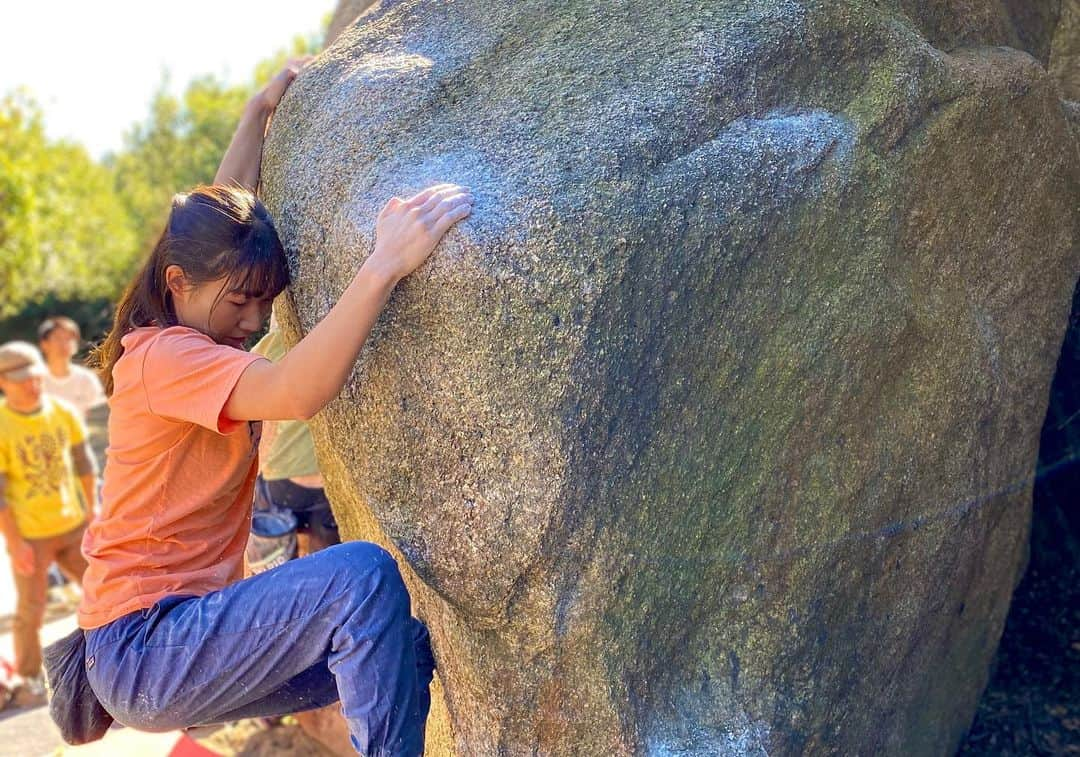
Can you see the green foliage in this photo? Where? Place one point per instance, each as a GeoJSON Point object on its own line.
{"type": "Point", "coordinates": [300, 45]}
{"type": "Point", "coordinates": [72, 230]}
{"type": "Point", "coordinates": [182, 141]}
{"type": "Point", "coordinates": [179, 146]}
{"type": "Point", "coordinates": [63, 229]}
{"type": "Point", "coordinates": [94, 316]}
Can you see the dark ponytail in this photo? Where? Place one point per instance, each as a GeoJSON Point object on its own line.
{"type": "Point", "coordinates": [213, 232]}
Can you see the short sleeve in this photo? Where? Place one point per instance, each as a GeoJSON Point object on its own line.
{"type": "Point", "coordinates": [74, 422]}
{"type": "Point", "coordinates": [94, 393]}
{"type": "Point", "coordinates": [188, 377]}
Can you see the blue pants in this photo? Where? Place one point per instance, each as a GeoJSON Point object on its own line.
{"type": "Point", "coordinates": [333, 625]}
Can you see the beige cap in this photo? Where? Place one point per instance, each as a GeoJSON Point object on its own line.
{"type": "Point", "coordinates": [20, 360]}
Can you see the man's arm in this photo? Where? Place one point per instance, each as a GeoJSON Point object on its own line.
{"type": "Point", "coordinates": [89, 486]}
{"type": "Point", "coordinates": [243, 158]}
{"type": "Point", "coordinates": [22, 554]}
{"type": "Point", "coordinates": [82, 460]}
{"type": "Point", "coordinates": [266, 441]}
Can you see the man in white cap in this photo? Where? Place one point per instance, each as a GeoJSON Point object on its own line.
{"type": "Point", "coordinates": [46, 491]}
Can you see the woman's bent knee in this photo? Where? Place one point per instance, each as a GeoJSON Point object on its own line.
{"type": "Point", "coordinates": [361, 558]}
{"type": "Point", "coordinates": [369, 569]}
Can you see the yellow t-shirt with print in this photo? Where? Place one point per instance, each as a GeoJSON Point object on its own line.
{"type": "Point", "coordinates": [42, 488]}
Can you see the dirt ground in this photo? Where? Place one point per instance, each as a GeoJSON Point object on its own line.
{"type": "Point", "coordinates": [1032, 704]}
{"type": "Point", "coordinates": [253, 738]}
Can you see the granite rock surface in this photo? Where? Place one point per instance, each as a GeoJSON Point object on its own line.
{"type": "Point", "coordinates": [712, 430]}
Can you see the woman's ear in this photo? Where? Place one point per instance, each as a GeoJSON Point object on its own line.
{"type": "Point", "coordinates": [176, 281]}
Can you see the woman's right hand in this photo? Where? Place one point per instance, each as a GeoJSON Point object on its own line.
{"type": "Point", "coordinates": [407, 231]}
{"type": "Point", "coordinates": [313, 372]}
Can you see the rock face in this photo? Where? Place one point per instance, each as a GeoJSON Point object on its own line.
{"type": "Point", "coordinates": [1026, 25]}
{"type": "Point", "coordinates": [1065, 54]}
{"type": "Point", "coordinates": [712, 430]}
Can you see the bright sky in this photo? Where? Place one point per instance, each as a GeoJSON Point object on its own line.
{"type": "Point", "coordinates": [93, 64]}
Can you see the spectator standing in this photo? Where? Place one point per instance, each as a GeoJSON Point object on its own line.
{"type": "Point", "coordinates": [289, 474]}
{"type": "Point", "coordinates": [47, 487]}
{"type": "Point", "coordinates": [289, 478]}
{"type": "Point", "coordinates": [59, 337]}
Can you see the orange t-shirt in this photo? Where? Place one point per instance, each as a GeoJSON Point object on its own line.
{"type": "Point", "coordinates": [176, 502]}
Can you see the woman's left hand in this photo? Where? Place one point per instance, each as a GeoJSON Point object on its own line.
{"type": "Point", "coordinates": [243, 158]}
{"type": "Point", "coordinates": [270, 95]}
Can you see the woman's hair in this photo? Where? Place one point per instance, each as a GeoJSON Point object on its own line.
{"type": "Point", "coordinates": [212, 233]}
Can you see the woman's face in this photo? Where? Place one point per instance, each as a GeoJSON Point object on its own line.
{"type": "Point", "coordinates": [226, 316]}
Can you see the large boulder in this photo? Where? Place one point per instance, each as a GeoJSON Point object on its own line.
{"type": "Point", "coordinates": [712, 430]}
{"type": "Point", "coordinates": [1026, 25]}
{"type": "Point", "coordinates": [1065, 55]}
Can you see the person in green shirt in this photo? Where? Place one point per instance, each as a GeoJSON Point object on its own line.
{"type": "Point", "coordinates": [289, 478]}
{"type": "Point", "coordinates": [289, 474]}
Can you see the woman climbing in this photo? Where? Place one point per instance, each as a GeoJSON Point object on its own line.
{"type": "Point", "coordinates": [172, 637]}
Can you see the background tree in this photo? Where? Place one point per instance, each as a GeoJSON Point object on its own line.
{"type": "Point", "coordinates": [72, 230]}
{"type": "Point", "coordinates": [63, 229]}
{"type": "Point", "coordinates": [181, 143]}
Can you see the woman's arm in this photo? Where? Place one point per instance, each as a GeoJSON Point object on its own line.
{"type": "Point", "coordinates": [315, 370]}
{"type": "Point", "coordinates": [243, 157]}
